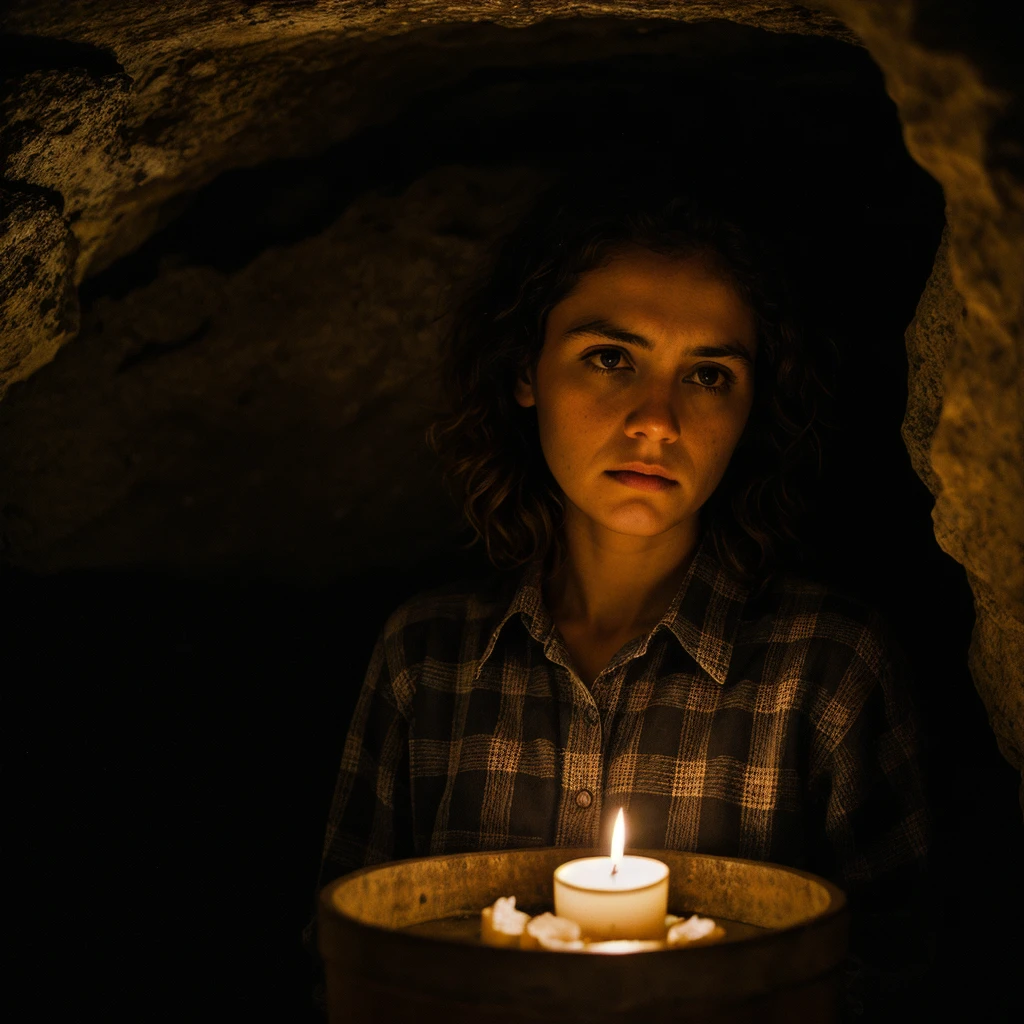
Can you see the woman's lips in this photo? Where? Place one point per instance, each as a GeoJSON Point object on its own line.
{"type": "Point", "coordinates": [641, 481]}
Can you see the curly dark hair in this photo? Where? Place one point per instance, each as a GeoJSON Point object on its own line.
{"type": "Point", "coordinates": [489, 445]}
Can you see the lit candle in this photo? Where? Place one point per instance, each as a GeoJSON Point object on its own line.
{"type": "Point", "coordinates": [614, 897]}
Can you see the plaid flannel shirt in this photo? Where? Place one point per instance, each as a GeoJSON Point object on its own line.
{"type": "Point", "coordinates": [770, 726]}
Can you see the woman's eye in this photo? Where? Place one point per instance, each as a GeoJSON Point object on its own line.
{"type": "Point", "coordinates": [607, 358]}
{"type": "Point", "coordinates": [709, 376]}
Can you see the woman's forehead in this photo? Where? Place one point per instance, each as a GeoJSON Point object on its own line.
{"type": "Point", "coordinates": [648, 292]}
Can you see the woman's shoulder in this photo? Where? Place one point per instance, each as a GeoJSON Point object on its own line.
{"type": "Point", "coordinates": [822, 618]}
{"type": "Point", "coordinates": [438, 622]}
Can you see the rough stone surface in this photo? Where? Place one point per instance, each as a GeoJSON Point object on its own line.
{"type": "Point", "coordinates": [38, 298]}
{"type": "Point", "coordinates": [940, 332]}
{"type": "Point", "coordinates": [173, 97]}
{"type": "Point", "coordinates": [961, 116]}
{"type": "Point", "coordinates": [155, 101]}
{"type": "Point", "coordinates": [64, 133]}
{"type": "Point", "coordinates": [308, 435]}
{"type": "Point", "coordinates": [930, 338]}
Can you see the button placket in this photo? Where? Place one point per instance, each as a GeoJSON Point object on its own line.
{"type": "Point", "coordinates": [585, 799]}
{"type": "Point", "coordinates": [582, 764]}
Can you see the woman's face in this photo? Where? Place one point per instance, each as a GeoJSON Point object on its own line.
{"type": "Point", "coordinates": [642, 390]}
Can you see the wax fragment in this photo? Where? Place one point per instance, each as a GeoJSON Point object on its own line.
{"type": "Point", "coordinates": [694, 929]}
{"type": "Point", "coordinates": [552, 933]}
{"type": "Point", "coordinates": [502, 924]}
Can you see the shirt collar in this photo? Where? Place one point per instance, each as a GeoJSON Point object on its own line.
{"type": "Point", "coordinates": [706, 611]}
{"type": "Point", "coordinates": [703, 616]}
{"type": "Point", "coordinates": [528, 604]}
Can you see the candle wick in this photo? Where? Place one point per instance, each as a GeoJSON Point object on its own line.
{"type": "Point", "coordinates": [615, 869]}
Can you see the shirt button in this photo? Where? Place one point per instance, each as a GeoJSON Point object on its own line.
{"type": "Point", "coordinates": [584, 798]}
{"type": "Point", "coordinates": [592, 715]}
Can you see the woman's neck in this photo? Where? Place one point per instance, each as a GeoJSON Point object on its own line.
{"type": "Point", "coordinates": [614, 585]}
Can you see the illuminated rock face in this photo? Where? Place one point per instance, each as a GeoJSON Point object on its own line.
{"type": "Point", "coordinates": [960, 108]}
{"type": "Point", "coordinates": [202, 385]}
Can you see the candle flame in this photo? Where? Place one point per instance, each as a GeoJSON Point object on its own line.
{"type": "Point", "coordinates": [618, 841]}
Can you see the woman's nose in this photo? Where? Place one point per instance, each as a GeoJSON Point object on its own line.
{"type": "Point", "coordinates": [655, 417]}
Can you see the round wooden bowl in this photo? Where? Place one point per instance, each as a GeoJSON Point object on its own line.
{"type": "Point", "coordinates": [398, 945]}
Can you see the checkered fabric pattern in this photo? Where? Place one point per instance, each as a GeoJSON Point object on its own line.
{"type": "Point", "coordinates": [770, 726]}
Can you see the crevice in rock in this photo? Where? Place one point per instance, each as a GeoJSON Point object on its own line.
{"type": "Point", "coordinates": [22, 54]}
{"type": "Point", "coordinates": [989, 34]}
{"type": "Point", "coordinates": [153, 350]}
{"type": "Point", "coordinates": [10, 188]}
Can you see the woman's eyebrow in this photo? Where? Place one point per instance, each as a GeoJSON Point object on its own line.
{"type": "Point", "coordinates": [606, 329]}
{"type": "Point", "coordinates": [731, 348]}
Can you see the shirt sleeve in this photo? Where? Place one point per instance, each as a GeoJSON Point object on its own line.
{"type": "Point", "coordinates": [875, 817]}
{"type": "Point", "coordinates": [370, 820]}
{"type": "Point", "coordinates": [876, 831]}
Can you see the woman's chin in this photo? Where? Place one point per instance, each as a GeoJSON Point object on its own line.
{"type": "Point", "coordinates": [640, 520]}
{"type": "Point", "coordinates": [639, 517]}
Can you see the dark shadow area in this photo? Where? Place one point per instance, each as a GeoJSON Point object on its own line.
{"type": "Point", "coordinates": [173, 743]}
{"type": "Point", "coordinates": [801, 127]}
{"type": "Point", "coordinates": [172, 748]}
{"type": "Point", "coordinates": [21, 54]}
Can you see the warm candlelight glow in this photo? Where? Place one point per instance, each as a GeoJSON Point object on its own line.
{"type": "Point", "coordinates": [616, 897]}
{"type": "Point", "coordinates": [618, 841]}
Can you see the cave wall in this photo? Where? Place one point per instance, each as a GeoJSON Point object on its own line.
{"type": "Point", "coordinates": [249, 388]}
{"type": "Point", "coordinates": [113, 115]}
{"type": "Point", "coordinates": [960, 102]}
{"type": "Point", "coordinates": [274, 413]}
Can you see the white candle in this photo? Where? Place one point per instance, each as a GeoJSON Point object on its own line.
{"type": "Point", "coordinates": [614, 897]}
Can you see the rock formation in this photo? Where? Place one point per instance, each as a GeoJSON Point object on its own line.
{"type": "Point", "coordinates": [117, 117]}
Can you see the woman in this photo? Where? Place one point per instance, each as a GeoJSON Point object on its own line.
{"type": "Point", "coordinates": [632, 411]}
